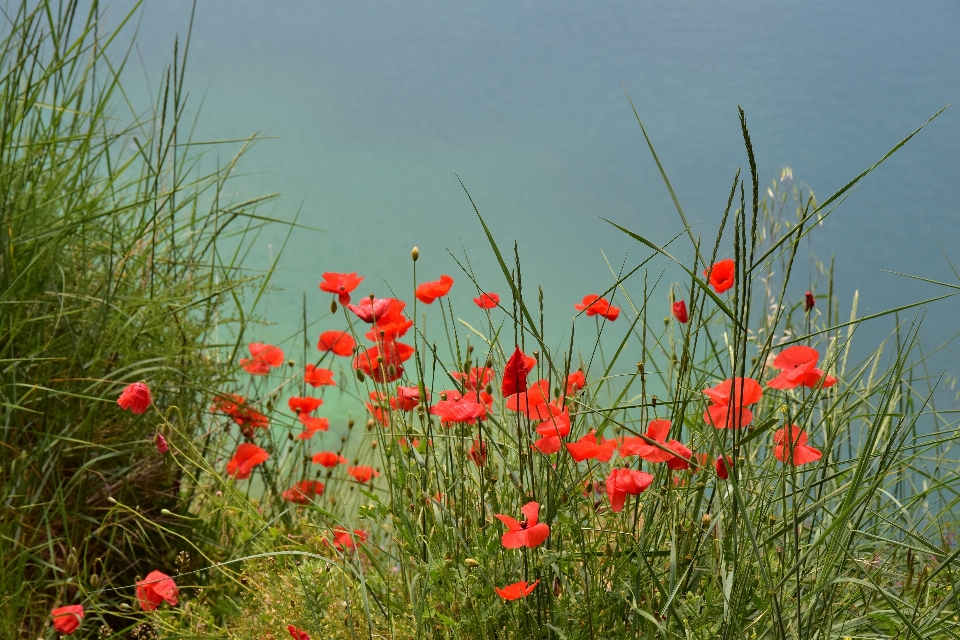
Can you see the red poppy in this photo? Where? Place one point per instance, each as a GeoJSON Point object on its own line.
{"type": "Point", "coordinates": [680, 311]}
{"type": "Point", "coordinates": [161, 442]}
{"type": "Point", "coordinates": [487, 300]}
{"type": "Point", "coordinates": [724, 466]}
{"type": "Point", "coordinates": [680, 460]}
{"type": "Point", "coordinates": [594, 305]}
{"type": "Point", "coordinates": [430, 291]}
{"type": "Point", "coordinates": [478, 378]}
{"type": "Point", "coordinates": [575, 382]}
{"type": "Point", "coordinates": [340, 342]}
{"type": "Point", "coordinates": [478, 453]}
{"type": "Point", "coordinates": [808, 301]}
{"type": "Point", "coordinates": [363, 473]}
{"type": "Point", "coordinates": [303, 491]}
{"type": "Point", "coordinates": [721, 274]}
{"type": "Point", "coordinates": [391, 323]}
{"type": "Point", "coordinates": [516, 590]}
{"type": "Point", "coordinates": [245, 459]}
{"type": "Point", "coordinates": [528, 533]}
{"type": "Point", "coordinates": [588, 447]}
{"type": "Point", "coordinates": [263, 357]}
{"type": "Point", "coordinates": [344, 539]}
{"type": "Point", "coordinates": [555, 427]}
{"type": "Point", "coordinates": [534, 402]}
{"type": "Point", "coordinates": [371, 309]}
{"type": "Point", "coordinates": [386, 367]}
{"type": "Point", "coordinates": [458, 409]}
{"type": "Point", "coordinates": [379, 414]}
{"type": "Point", "coordinates": [67, 619]}
{"type": "Point", "coordinates": [657, 431]}
{"type": "Point", "coordinates": [329, 459]}
{"type": "Point", "coordinates": [318, 376]}
{"type": "Point", "coordinates": [797, 439]}
{"type": "Point", "coordinates": [297, 633]}
{"type": "Point", "coordinates": [341, 284]}
{"type": "Point", "coordinates": [312, 425]}
{"type": "Point", "coordinates": [729, 399]}
{"type": "Point", "coordinates": [154, 589]}
{"type": "Point", "coordinates": [135, 397]}
{"type": "Point", "coordinates": [799, 366]}
{"type": "Point", "coordinates": [407, 398]}
{"type": "Point", "coordinates": [405, 444]}
{"type": "Point", "coordinates": [515, 373]}
{"type": "Point", "coordinates": [299, 404]}
{"type": "Point", "coordinates": [622, 482]}
{"type": "Point", "coordinates": [246, 417]}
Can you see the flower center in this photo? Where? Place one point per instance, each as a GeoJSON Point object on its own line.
{"type": "Point", "coordinates": [524, 525]}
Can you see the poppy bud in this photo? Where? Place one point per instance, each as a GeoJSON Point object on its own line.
{"type": "Point", "coordinates": [360, 375]}
{"type": "Point", "coordinates": [415, 253]}
{"type": "Point", "coordinates": [333, 306]}
{"type": "Point", "coordinates": [680, 311]}
{"type": "Point", "coordinates": [470, 562]}
{"type": "Point", "coordinates": [94, 580]}
{"type": "Point", "coordinates": [808, 301]}
{"type": "Point", "coordinates": [350, 424]}
{"type": "Point", "coordinates": [370, 424]}
{"type": "Point", "coordinates": [162, 446]}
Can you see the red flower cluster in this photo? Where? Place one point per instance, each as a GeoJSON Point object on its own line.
{"type": "Point", "coordinates": [303, 491]}
{"type": "Point", "coordinates": [246, 417]}
{"type": "Point", "coordinates": [594, 305]}
{"type": "Point", "coordinates": [799, 367]}
{"type": "Point", "coordinates": [136, 398]}
{"type": "Point", "coordinates": [263, 358]}
{"type": "Point", "coordinates": [477, 379]}
{"type": "Point", "coordinates": [384, 364]}
{"type": "Point", "coordinates": [459, 408]}
{"type": "Point", "coordinates": [729, 400]}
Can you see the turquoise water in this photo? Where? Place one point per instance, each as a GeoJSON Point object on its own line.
{"type": "Point", "coordinates": [377, 104]}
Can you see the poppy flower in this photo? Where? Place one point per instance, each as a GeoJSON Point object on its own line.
{"type": "Point", "coordinates": [588, 447]}
{"type": "Point", "coordinates": [729, 399]}
{"type": "Point", "coordinates": [516, 590]}
{"type": "Point", "coordinates": [297, 633]}
{"type": "Point", "coordinates": [478, 378]}
{"type": "Point", "coordinates": [515, 373]}
{"type": "Point", "coordinates": [340, 284]}
{"type": "Point", "coordinates": [245, 459]}
{"type": "Point", "coordinates": [552, 429]}
{"type": "Point", "coordinates": [794, 437]}
{"type": "Point", "coordinates": [370, 309]}
{"type": "Point", "coordinates": [406, 444]}
{"type": "Point", "coordinates": [407, 398]}
{"type": "Point", "coordinates": [575, 382]}
{"type": "Point", "coordinates": [154, 589]}
{"type": "Point", "coordinates": [459, 409]}
{"type": "Point", "coordinates": [362, 473]}
{"type": "Point", "coordinates": [478, 453]}
{"type": "Point", "coordinates": [799, 367]}
{"type": "Point", "coordinates": [340, 342]}
{"type": "Point", "coordinates": [680, 460]}
{"type": "Point", "coordinates": [430, 291]}
{"type": "Point", "coordinates": [245, 416]}
{"type": "Point", "coordinates": [623, 482]}
{"type": "Point", "coordinates": [379, 414]}
{"type": "Point", "coordinates": [67, 619]}
{"type": "Point", "coordinates": [724, 466]}
{"type": "Point", "coordinates": [808, 301]}
{"type": "Point", "coordinates": [344, 539]}
{"type": "Point", "coordinates": [318, 376]}
{"type": "Point", "coordinates": [303, 491]}
{"type": "Point", "coordinates": [299, 404]}
{"type": "Point", "coordinates": [161, 442]}
{"type": "Point", "coordinates": [534, 402]}
{"type": "Point", "coordinates": [594, 305]}
{"type": "Point", "coordinates": [136, 398]}
{"type": "Point", "coordinates": [311, 425]}
{"type": "Point", "coordinates": [487, 300]}
{"type": "Point", "coordinates": [680, 311]}
{"type": "Point", "coordinates": [383, 362]}
{"type": "Point", "coordinates": [528, 533]}
{"type": "Point", "coordinates": [263, 358]}
{"type": "Point", "coordinates": [329, 459]}
{"type": "Point", "coordinates": [721, 274]}
{"type": "Point", "coordinates": [657, 431]}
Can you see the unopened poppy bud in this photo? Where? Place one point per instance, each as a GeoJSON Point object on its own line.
{"type": "Point", "coordinates": [350, 424]}
{"type": "Point", "coordinates": [470, 562]}
{"type": "Point", "coordinates": [373, 445]}
{"type": "Point", "coordinates": [162, 446]}
{"type": "Point", "coordinates": [166, 512]}
{"type": "Point", "coordinates": [111, 500]}
{"type": "Point", "coordinates": [71, 560]}
{"type": "Point", "coordinates": [360, 376]}
{"type": "Point", "coordinates": [489, 388]}
{"type": "Point", "coordinates": [370, 425]}
{"type": "Point", "coordinates": [415, 253]}
{"type": "Point", "coordinates": [94, 580]}
{"type": "Point", "coordinates": [808, 301]}
{"type": "Point", "coordinates": [333, 306]}
{"type": "Point", "coordinates": [291, 363]}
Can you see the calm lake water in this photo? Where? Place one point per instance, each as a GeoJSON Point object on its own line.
{"type": "Point", "coordinates": [375, 106]}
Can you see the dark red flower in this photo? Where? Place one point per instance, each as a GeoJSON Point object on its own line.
{"type": "Point", "coordinates": [575, 382]}
{"type": "Point", "coordinates": [724, 466]}
{"type": "Point", "coordinates": [344, 539]}
{"type": "Point", "coordinates": [135, 397]}
{"type": "Point", "coordinates": [515, 373]}
{"type": "Point", "coordinates": [478, 453]}
{"type": "Point", "coordinates": [154, 589]}
{"type": "Point", "coordinates": [303, 491]}
{"type": "Point", "coordinates": [594, 305]}
{"type": "Point", "coordinates": [624, 482]}
{"type": "Point", "coordinates": [487, 300]}
{"type": "Point", "coordinates": [793, 437]}
{"type": "Point", "coordinates": [430, 291]}
{"type": "Point", "coordinates": [341, 284]}
{"type": "Point", "coordinates": [303, 405]}
{"type": "Point", "coordinates": [340, 342]}
{"type": "Point", "coordinates": [680, 311]}
{"type": "Point", "coordinates": [311, 425]}
{"type": "Point", "coordinates": [516, 590]}
{"type": "Point", "coordinates": [588, 447]}
{"type": "Point", "coordinates": [245, 459]}
{"type": "Point", "coordinates": [67, 619]}
{"type": "Point", "coordinates": [297, 633]}
{"type": "Point", "coordinates": [721, 274]}
{"type": "Point", "coordinates": [329, 459]}
{"type": "Point", "coordinates": [799, 366]}
{"type": "Point", "coordinates": [527, 533]}
{"type": "Point", "coordinates": [729, 399]}
{"type": "Point", "coordinates": [808, 301]}
{"type": "Point", "coordinates": [362, 473]}
{"type": "Point", "coordinates": [263, 358]}
{"type": "Point", "coordinates": [318, 376]}
{"type": "Point", "coordinates": [161, 442]}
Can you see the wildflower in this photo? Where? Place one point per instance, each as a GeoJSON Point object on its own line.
{"type": "Point", "coordinates": [344, 539]}
{"type": "Point", "coordinates": [799, 367]}
{"type": "Point", "coordinates": [263, 358]}
{"type": "Point", "coordinates": [391, 324]}
{"type": "Point", "coordinates": [383, 362]}
{"type": "Point", "coordinates": [430, 291]}
{"type": "Point", "coordinates": [575, 382]}
{"type": "Point", "coordinates": [362, 473]}
{"type": "Point", "coordinates": [683, 455]}
{"type": "Point", "coordinates": [382, 417]}
{"type": "Point", "coordinates": [329, 459]}
{"type": "Point", "coordinates": [67, 619]}
{"type": "Point", "coordinates": [303, 491]}
{"type": "Point", "coordinates": [554, 428]}
{"type": "Point", "coordinates": [458, 409]}
{"type": "Point", "coordinates": [487, 300]}
{"type": "Point", "coordinates": [407, 398]}
{"type": "Point", "coordinates": [808, 301]}
{"type": "Point", "coordinates": [594, 305]}
{"type": "Point", "coordinates": [680, 311]}
{"type": "Point", "coordinates": [246, 417]}
{"type": "Point", "coordinates": [311, 425]}
{"type": "Point", "coordinates": [478, 378]}
{"type": "Point", "coordinates": [245, 459]}
{"type": "Point", "coordinates": [721, 275]}
{"type": "Point", "coordinates": [340, 342]}
{"type": "Point", "coordinates": [724, 466]}
{"type": "Point", "coordinates": [341, 284]}
{"type": "Point", "coordinates": [797, 440]}
{"type": "Point", "coordinates": [297, 633]}
{"type": "Point", "coordinates": [370, 309]}
{"type": "Point", "coordinates": [478, 453]}
{"type": "Point", "coordinates": [622, 482]}
{"type": "Point", "coordinates": [729, 399]}
{"type": "Point", "coordinates": [162, 446]}
{"type": "Point", "coordinates": [534, 402]}
{"type": "Point", "coordinates": [135, 397]}
{"type": "Point", "coordinates": [516, 590]}
{"type": "Point", "coordinates": [318, 376]}
{"type": "Point", "coordinates": [528, 533]}
{"type": "Point", "coordinates": [515, 373]}
{"type": "Point", "coordinates": [657, 431]}
{"type": "Point", "coordinates": [300, 405]}
{"type": "Point", "coordinates": [154, 589]}
{"type": "Point", "coordinates": [588, 447]}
